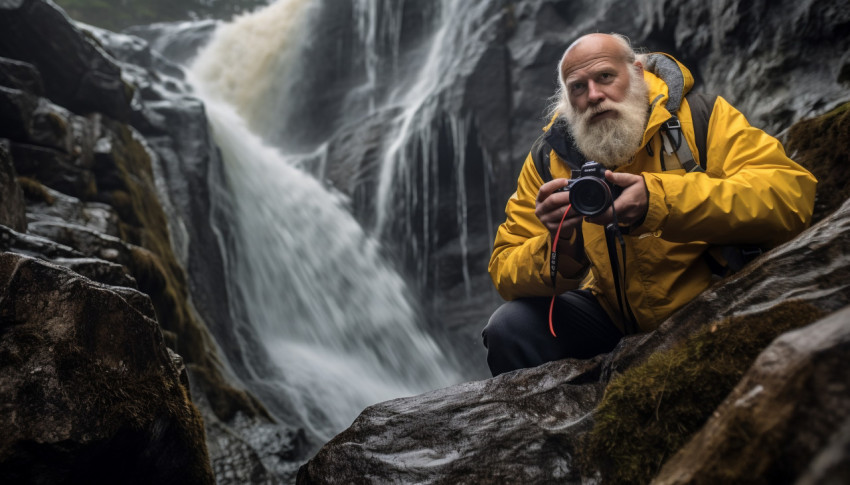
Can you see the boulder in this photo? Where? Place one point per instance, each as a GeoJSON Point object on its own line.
{"type": "Point", "coordinates": [792, 402]}
{"type": "Point", "coordinates": [458, 434]}
{"type": "Point", "coordinates": [91, 394]}
{"type": "Point", "coordinates": [77, 73]}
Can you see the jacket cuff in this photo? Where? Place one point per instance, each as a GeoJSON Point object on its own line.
{"type": "Point", "coordinates": [656, 210]}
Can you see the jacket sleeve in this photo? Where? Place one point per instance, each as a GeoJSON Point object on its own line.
{"type": "Point", "coordinates": [751, 192]}
{"type": "Point", "coordinates": [519, 265]}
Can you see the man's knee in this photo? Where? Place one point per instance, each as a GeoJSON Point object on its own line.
{"type": "Point", "coordinates": [507, 322]}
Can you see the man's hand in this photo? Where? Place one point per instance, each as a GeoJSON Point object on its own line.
{"type": "Point", "coordinates": [631, 205]}
{"type": "Point", "coordinates": [550, 207]}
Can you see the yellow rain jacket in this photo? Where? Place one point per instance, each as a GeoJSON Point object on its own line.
{"type": "Point", "coordinates": [750, 193]}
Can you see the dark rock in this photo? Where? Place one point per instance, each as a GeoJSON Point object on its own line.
{"type": "Point", "coordinates": [54, 169]}
{"type": "Point", "coordinates": [12, 205]}
{"type": "Point", "coordinates": [429, 438]}
{"type": "Point", "coordinates": [90, 392]}
{"type": "Point", "coordinates": [779, 417]}
{"type": "Point", "coordinates": [99, 270]}
{"type": "Point", "coordinates": [34, 246]}
{"type": "Point", "coordinates": [77, 73]}
{"type": "Point", "coordinates": [32, 120]}
{"type": "Point", "coordinates": [20, 75]}
{"type": "Point", "coordinates": [520, 427]}
{"type": "Point", "coordinates": [831, 466]}
{"type": "Point", "coordinates": [822, 145]}
{"type": "Point", "coordinates": [16, 109]}
{"type": "Point", "coordinates": [45, 204]}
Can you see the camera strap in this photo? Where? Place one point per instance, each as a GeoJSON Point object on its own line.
{"type": "Point", "coordinates": [613, 236]}
{"type": "Point", "coordinates": [553, 268]}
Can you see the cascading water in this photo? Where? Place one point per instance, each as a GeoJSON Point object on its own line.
{"type": "Point", "coordinates": [334, 317]}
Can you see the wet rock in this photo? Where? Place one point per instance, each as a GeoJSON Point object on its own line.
{"type": "Point", "coordinates": [90, 392]}
{"type": "Point", "coordinates": [45, 204]}
{"type": "Point", "coordinates": [12, 205]}
{"type": "Point", "coordinates": [77, 73]}
{"type": "Point", "coordinates": [541, 414]}
{"type": "Point", "coordinates": [520, 427]}
{"type": "Point", "coordinates": [54, 169]}
{"type": "Point", "coordinates": [20, 75]}
{"type": "Point", "coordinates": [780, 416]}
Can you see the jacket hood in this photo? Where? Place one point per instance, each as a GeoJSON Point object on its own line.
{"type": "Point", "coordinates": [668, 81]}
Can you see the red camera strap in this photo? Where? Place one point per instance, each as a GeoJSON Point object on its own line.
{"type": "Point", "coordinates": [554, 265]}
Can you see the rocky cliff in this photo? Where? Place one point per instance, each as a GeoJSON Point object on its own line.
{"type": "Point", "coordinates": [103, 163]}
{"type": "Point", "coordinates": [113, 256]}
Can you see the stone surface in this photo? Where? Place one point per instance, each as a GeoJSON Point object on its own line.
{"type": "Point", "coordinates": [77, 73]}
{"type": "Point", "coordinates": [520, 427]}
{"type": "Point", "coordinates": [780, 416]}
{"type": "Point", "coordinates": [20, 75]}
{"type": "Point", "coordinates": [429, 438]}
{"type": "Point", "coordinates": [123, 210]}
{"type": "Point", "coordinates": [778, 67]}
{"type": "Point", "coordinates": [90, 392]}
{"type": "Point", "coordinates": [12, 205]}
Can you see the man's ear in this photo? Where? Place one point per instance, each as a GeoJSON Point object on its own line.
{"type": "Point", "coordinates": [638, 65]}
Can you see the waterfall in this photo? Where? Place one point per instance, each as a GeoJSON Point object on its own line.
{"type": "Point", "coordinates": [335, 318]}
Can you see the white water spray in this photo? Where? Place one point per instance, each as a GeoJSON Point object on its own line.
{"type": "Point", "coordinates": [332, 314]}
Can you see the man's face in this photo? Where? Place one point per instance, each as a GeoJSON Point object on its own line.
{"type": "Point", "coordinates": [597, 84]}
{"type": "Point", "coordinates": [606, 100]}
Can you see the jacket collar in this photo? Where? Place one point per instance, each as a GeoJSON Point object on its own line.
{"type": "Point", "coordinates": [661, 71]}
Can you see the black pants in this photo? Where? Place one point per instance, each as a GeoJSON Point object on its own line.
{"type": "Point", "coordinates": [517, 335]}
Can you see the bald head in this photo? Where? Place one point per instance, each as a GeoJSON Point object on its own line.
{"type": "Point", "coordinates": [595, 47]}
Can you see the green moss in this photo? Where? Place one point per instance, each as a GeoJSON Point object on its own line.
{"type": "Point", "coordinates": [126, 179]}
{"type": "Point", "coordinates": [651, 410]}
{"type": "Point", "coordinates": [822, 145]}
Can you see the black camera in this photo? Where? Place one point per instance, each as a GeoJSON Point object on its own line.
{"type": "Point", "coordinates": [590, 193]}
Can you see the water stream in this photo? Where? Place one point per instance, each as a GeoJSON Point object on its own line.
{"type": "Point", "coordinates": [337, 320]}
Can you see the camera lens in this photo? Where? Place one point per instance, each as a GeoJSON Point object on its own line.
{"type": "Point", "coordinates": [590, 196]}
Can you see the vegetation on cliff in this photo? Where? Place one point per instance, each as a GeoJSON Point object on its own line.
{"type": "Point", "coordinates": [650, 411]}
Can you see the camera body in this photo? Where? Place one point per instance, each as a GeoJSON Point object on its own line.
{"type": "Point", "coordinates": [590, 193]}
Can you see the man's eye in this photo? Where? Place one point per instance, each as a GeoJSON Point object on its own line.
{"type": "Point", "coordinates": [576, 88]}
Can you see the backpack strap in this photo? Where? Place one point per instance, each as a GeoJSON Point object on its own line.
{"type": "Point", "coordinates": [540, 155]}
{"type": "Point", "coordinates": [701, 107]}
{"type": "Point", "coordinates": [558, 139]}
{"type": "Point", "coordinates": [673, 140]}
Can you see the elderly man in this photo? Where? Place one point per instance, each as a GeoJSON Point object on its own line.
{"type": "Point", "coordinates": [596, 278]}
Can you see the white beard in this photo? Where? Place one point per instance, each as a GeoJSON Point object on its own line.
{"type": "Point", "coordinates": [613, 142]}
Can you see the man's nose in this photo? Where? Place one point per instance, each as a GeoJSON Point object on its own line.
{"type": "Point", "coordinates": [595, 95]}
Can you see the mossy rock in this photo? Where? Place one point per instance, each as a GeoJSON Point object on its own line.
{"type": "Point", "coordinates": [125, 177]}
{"type": "Point", "coordinates": [822, 145]}
{"type": "Point", "coordinates": [651, 410]}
